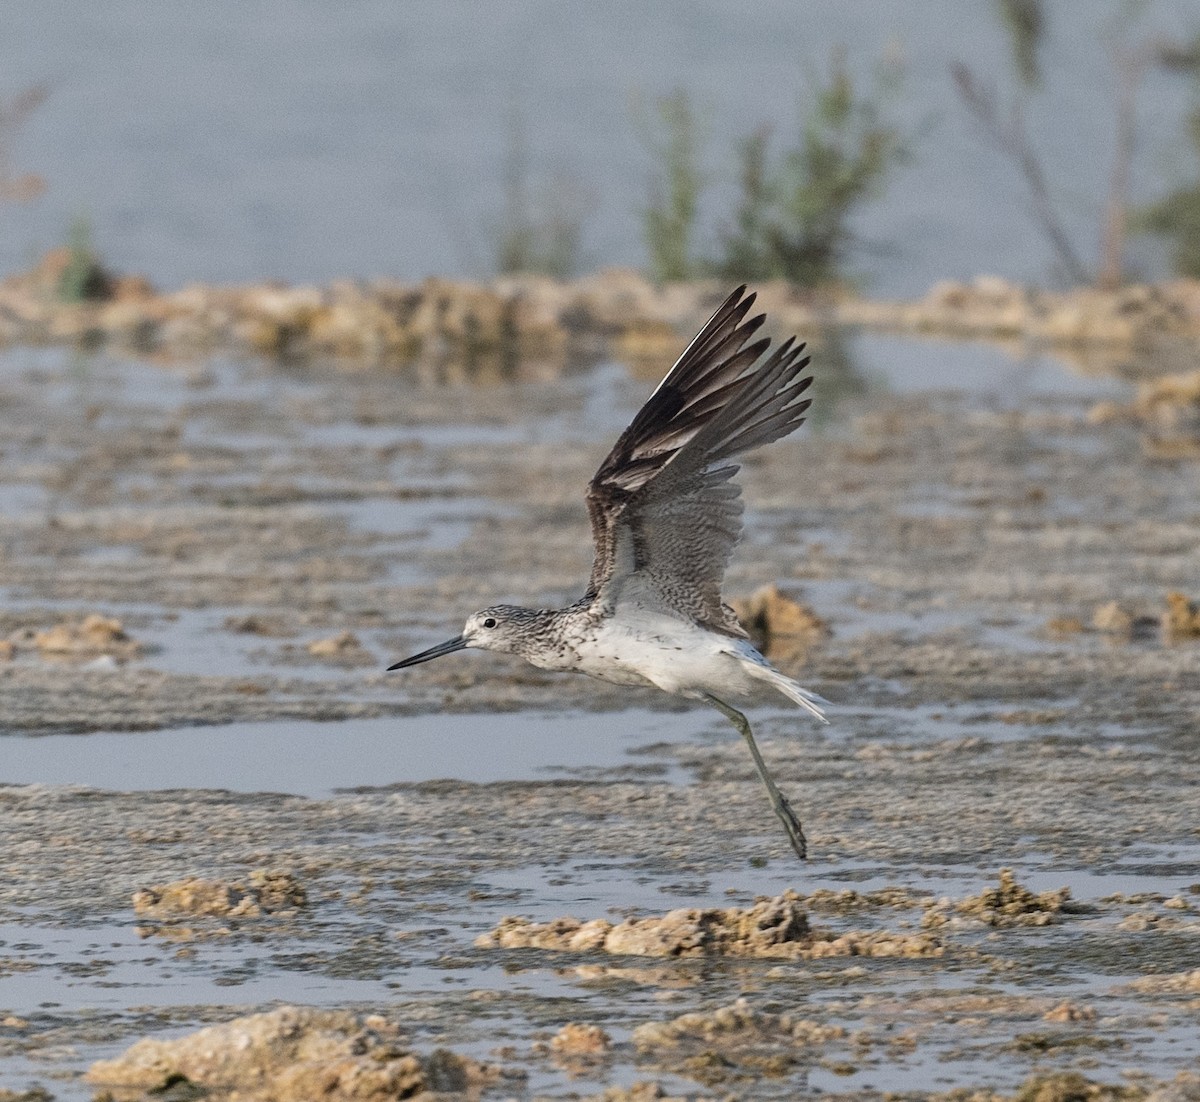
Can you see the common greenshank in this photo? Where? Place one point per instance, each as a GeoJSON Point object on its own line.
{"type": "Point", "coordinates": [666, 515]}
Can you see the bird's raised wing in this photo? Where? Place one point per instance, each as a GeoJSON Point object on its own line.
{"type": "Point", "coordinates": [665, 512]}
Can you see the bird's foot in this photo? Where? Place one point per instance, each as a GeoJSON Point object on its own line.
{"type": "Point", "coordinates": [791, 823]}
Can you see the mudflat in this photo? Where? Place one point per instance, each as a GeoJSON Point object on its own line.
{"type": "Point", "coordinates": [481, 878]}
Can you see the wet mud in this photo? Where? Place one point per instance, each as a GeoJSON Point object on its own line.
{"type": "Point", "coordinates": [1002, 817]}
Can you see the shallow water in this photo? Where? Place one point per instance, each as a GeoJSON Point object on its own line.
{"type": "Point", "coordinates": [255, 142]}
{"type": "Point", "coordinates": [998, 377]}
{"type": "Point", "coordinates": [316, 759]}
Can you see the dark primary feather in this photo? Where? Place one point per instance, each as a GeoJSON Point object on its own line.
{"type": "Point", "coordinates": [665, 512]}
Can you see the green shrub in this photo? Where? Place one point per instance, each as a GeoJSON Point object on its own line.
{"type": "Point", "coordinates": [669, 219]}
{"type": "Point", "coordinates": [794, 219]}
{"type": "Point", "coordinates": [83, 278]}
{"type": "Point", "coordinates": [541, 227]}
{"type": "Point", "coordinates": [1177, 217]}
{"type": "Point", "coordinates": [795, 207]}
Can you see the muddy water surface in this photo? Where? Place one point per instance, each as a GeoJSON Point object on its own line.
{"type": "Point", "coordinates": [957, 544]}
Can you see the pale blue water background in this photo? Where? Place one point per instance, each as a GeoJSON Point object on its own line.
{"type": "Point", "coordinates": [238, 140]}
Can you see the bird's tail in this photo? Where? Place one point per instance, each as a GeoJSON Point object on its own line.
{"type": "Point", "coordinates": [807, 700]}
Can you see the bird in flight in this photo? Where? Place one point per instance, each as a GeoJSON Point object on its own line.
{"type": "Point", "coordinates": [666, 515]}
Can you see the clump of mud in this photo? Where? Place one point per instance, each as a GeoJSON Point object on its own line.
{"type": "Point", "coordinates": [1069, 1012]}
{"type": "Point", "coordinates": [1176, 983]}
{"type": "Point", "coordinates": [580, 1039]}
{"type": "Point", "coordinates": [1181, 621]}
{"type": "Point", "coordinates": [772, 927]}
{"type": "Point", "coordinates": [343, 649]}
{"type": "Point", "coordinates": [1113, 620]}
{"type": "Point", "coordinates": [1008, 904]}
{"type": "Point", "coordinates": [578, 1048]}
{"type": "Point", "coordinates": [90, 637]}
{"type": "Point", "coordinates": [336, 646]}
{"type": "Point", "coordinates": [735, 1040]}
{"type": "Point", "coordinates": [784, 629]}
{"type": "Point", "coordinates": [639, 1092]}
{"type": "Point", "coordinates": [1185, 1087]}
{"type": "Point", "coordinates": [34, 1094]}
{"type": "Point", "coordinates": [268, 891]}
{"type": "Point", "coordinates": [257, 624]}
{"type": "Point", "coordinates": [1168, 410]}
{"type": "Point", "coordinates": [291, 1054]}
{"type": "Point", "coordinates": [1069, 1086]}
{"type": "Point", "coordinates": [735, 1026]}
{"type": "Point", "coordinates": [848, 900]}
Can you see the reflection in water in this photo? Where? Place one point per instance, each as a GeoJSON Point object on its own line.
{"type": "Point", "coordinates": [848, 364]}
{"type": "Point", "coordinates": [994, 373]}
{"type": "Point", "coordinates": [838, 375]}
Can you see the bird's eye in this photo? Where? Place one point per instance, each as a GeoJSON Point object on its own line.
{"type": "Point", "coordinates": [490, 622]}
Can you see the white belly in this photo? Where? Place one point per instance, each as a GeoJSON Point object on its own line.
{"type": "Point", "coordinates": [675, 656]}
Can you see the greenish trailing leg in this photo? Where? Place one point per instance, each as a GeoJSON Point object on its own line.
{"type": "Point", "coordinates": [791, 822]}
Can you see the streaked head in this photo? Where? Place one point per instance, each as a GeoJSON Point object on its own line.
{"type": "Point", "coordinates": [506, 628]}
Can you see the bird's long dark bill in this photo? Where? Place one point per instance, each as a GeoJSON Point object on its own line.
{"type": "Point", "coordinates": [448, 647]}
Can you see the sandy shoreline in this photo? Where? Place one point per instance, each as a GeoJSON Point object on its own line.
{"type": "Point", "coordinates": [532, 326]}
